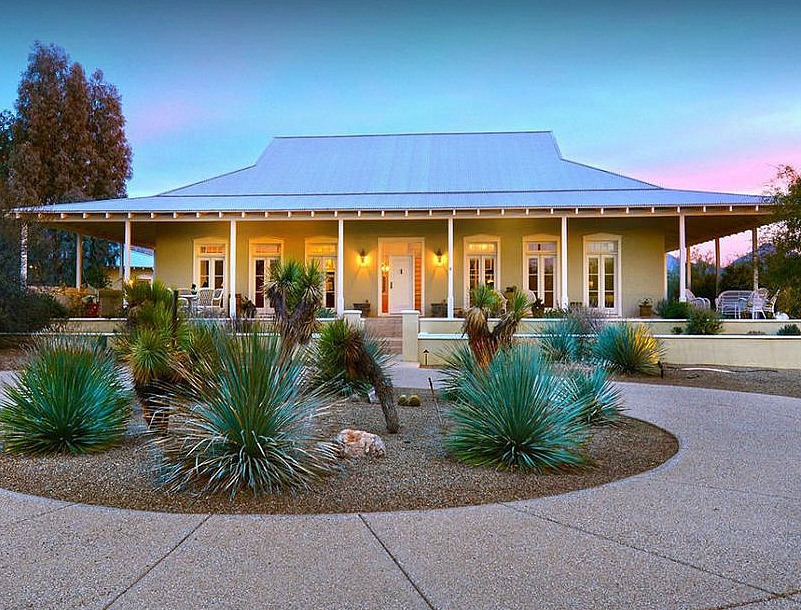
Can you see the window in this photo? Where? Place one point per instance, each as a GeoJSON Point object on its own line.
{"type": "Point", "coordinates": [540, 269]}
{"type": "Point", "coordinates": [602, 273]}
{"type": "Point", "coordinates": [209, 267]}
{"type": "Point", "coordinates": [481, 262]}
{"type": "Point", "coordinates": [324, 253]}
{"type": "Point", "coordinates": [264, 256]}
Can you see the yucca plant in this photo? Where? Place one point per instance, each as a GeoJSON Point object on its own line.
{"type": "Point", "coordinates": [629, 349]}
{"type": "Point", "coordinates": [484, 342]}
{"type": "Point", "coordinates": [152, 345]}
{"type": "Point", "coordinates": [70, 398]}
{"type": "Point", "coordinates": [599, 400]}
{"type": "Point", "coordinates": [561, 341]}
{"type": "Point", "coordinates": [295, 292]}
{"type": "Point", "coordinates": [245, 423]}
{"type": "Point", "coordinates": [349, 359]}
{"type": "Point", "coordinates": [512, 414]}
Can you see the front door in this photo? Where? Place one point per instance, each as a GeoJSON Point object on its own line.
{"type": "Point", "coordinates": [401, 283]}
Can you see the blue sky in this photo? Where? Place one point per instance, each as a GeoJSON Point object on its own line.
{"type": "Point", "coordinates": [688, 94]}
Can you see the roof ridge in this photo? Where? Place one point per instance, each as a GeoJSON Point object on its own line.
{"type": "Point", "coordinates": [606, 171]}
{"type": "Point", "coordinates": [407, 134]}
{"type": "Point", "coordinates": [186, 186]}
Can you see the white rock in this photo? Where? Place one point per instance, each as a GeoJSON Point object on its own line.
{"type": "Point", "coordinates": [358, 443]}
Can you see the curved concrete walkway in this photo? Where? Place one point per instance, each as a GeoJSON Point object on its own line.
{"type": "Point", "coordinates": [719, 526]}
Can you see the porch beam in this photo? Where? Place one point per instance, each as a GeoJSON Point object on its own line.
{"type": "Point", "coordinates": [450, 267]}
{"type": "Point", "coordinates": [23, 254]}
{"type": "Point", "coordinates": [682, 260]}
{"type": "Point", "coordinates": [232, 272]}
{"type": "Point", "coordinates": [689, 267]}
{"type": "Point", "coordinates": [340, 266]}
{"type": "Point", "coordinates": [126, 253]}
{"type": "Point", "coordinates": [78, 260]}
{"type": "Point", "coordinates": [563, 265]}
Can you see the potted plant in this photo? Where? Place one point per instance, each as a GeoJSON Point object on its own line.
{"type": "Point", "coordinates": [91, 307]}
{"type": "Point", "coordinates": [646, 308]}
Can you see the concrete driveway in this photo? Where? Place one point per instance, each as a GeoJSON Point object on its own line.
{"type": "Point", "coordinates": [719, 526]}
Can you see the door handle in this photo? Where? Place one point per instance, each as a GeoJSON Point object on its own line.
{"type": "Point", "coordinates": [391, 285]}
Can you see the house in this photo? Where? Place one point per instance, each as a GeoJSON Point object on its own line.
{"type": "Point", "coordinates": [414, 221]}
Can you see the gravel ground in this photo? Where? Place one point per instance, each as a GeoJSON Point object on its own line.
{"type": "Point", "coordinates": [415, 473]}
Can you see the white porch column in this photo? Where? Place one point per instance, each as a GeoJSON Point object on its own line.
{"type": "Point", "coordinates": [755, 255]}
{"type": "Point", "coordinates": [126, 253]}
{"type": "Point", "coordinates": [689, 268]}
{"type": "Point", "coordinates": [340, 267]}
{"type": "Point", "coordinates": [78, 260]}
{"type": "Point", "coordinates": [23, 255]}
{"type": "Point", "coordinates": [565, 297]}
{"type": "Point", "coordinates": [682, 260]}
{"type": "Point", "coordinates": [232, 272]}
{"type": "Point", "coordinates": [717, 265]}
{"type": "Point", "coordinates": [450, 267]}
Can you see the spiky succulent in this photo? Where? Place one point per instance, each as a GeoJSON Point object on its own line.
{"type": "Point", "coordinates": [70, 398]}
{"type": "Point", "coordinates": [512, 414]}
{"type": "Point", "coordinates": [629, 349]}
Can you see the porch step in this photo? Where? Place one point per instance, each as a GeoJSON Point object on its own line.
{"type": "Point", "coordinates": [390, 327]}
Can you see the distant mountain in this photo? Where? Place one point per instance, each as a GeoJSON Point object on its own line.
{"type": "Point", "coordinates": [763, 251]}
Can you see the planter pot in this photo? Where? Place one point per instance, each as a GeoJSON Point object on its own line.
{"type": "Point", "coordinates": [646, 311]}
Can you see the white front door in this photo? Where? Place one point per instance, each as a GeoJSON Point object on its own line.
{"type": "Point", "coordinates": [261, 268]}
{"type": "Point", "coordinates": [401, 283]}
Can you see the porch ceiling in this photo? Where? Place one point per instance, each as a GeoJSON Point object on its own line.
{"type": "Point", "coordinates": [701, 229]}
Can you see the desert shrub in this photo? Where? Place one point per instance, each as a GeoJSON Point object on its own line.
{"type": "Point", "coordinates": [704, 322]}
{"type": "Point", "coordinates": [244, 422]}
{"type": "Point", "coordinates": [351, 360]}
{"type": "Point", "coordinates": [458, 365]}
{"type": "Point", "coordinates": [789, 330]}
{"type": "Point", "coordinates": [673, 309]}
{"type": "Point", "coordinates": [630, 349]}
{"type": "Point", "coordinates": [70, 398]}
{"type": "Point", "coordinates": [677, 330]}
{"type": "Point", "coordinates": [513, 414]}
{"type": "Point", "coordinates": [600, 401]}
{"type": "Point", "coordinates": [560, 341]}
{"type": "Point", "coordinates": [23, 311]}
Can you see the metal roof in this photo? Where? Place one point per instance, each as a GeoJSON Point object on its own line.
{"type": "Point", "coordinates": [411, 171]}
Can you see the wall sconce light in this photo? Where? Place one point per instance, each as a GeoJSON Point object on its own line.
{"type": "Point", "coordinates": [438, 254]}
{"type": "Point", "coordinates": [362, 257]}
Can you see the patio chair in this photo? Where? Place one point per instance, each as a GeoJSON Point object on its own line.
{"type": "Point", "coordinates": [754, 303]}
{"type": "Point", "coordinates": [209, 300]}
{"type": "Point", "coordinates": [770, 305]}
{"type": "Point", "coordinates": [699, 302]}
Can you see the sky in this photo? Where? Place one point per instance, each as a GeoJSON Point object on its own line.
{"type": "Point", "coordinates": [689, 94]}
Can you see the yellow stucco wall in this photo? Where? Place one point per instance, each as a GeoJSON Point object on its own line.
{"type": "Point", "coordinates": [641, 252]}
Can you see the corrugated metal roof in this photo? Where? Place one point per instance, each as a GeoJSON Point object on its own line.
{"type": "Point", "coordinates": [412, 163]}
{"type": "Point", "coordinates": [414, 171]}
{"type": "Point", "coordinates": [416, 201]}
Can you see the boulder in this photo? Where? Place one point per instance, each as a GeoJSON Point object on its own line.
{"type": "Point", "coordinates": [358, 443]}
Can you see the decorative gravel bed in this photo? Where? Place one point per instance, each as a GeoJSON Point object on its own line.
{"type": "Point", "coordinates": [415, 474]}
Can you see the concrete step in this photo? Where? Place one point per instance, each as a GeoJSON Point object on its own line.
{"type": "Point", "coordinates": [387, 327]}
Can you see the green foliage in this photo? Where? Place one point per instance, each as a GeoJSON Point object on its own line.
{"type": "Point", "coordinates": [295, 292]}
{"type": "Point", "coordinates": [513, 414]}
{"type": "Point", "coordinates": [703, 322]}
{"type": "Point", "coordinates": [245, 423]}
{"type": "Point", "coordinates": [561, 341]}
{"type": "Point", "coordinates": [790, 330]}
{"type": "Point", "coordinates": [629, 349]}
{"type": "Point", "coordinates": [458, 365]}
{"type": "Point", "coordinates": [70, 398]}
{"type": "Point", "coordinates": [486, 298]}
{"type": "Point", "coordinates": [672, 309]}
{"type": "Point", "coordinates": [600, 401]}
{"type": "Point", "coordinates": [23, 311]}
{"type": "Point", "coordinates": [144, 293]}
{"type": "Point", "coordinates": [337, 353]}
